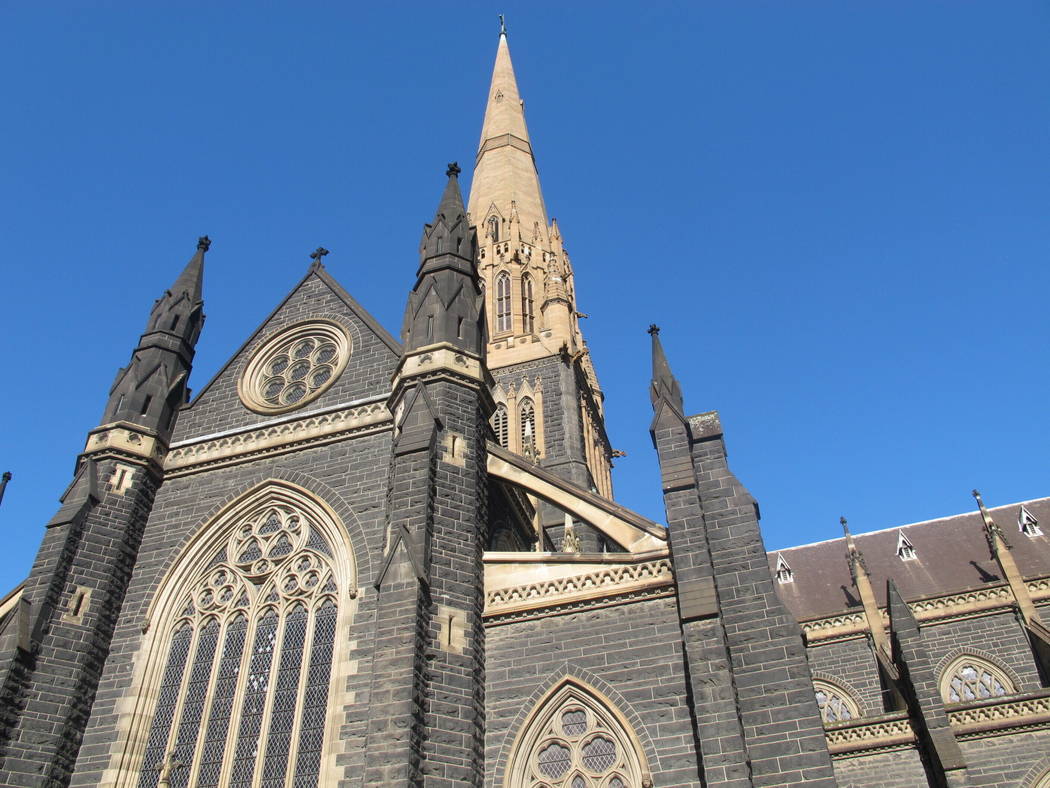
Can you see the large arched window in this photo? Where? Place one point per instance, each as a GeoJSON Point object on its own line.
{"type": "Point", "coordinates": [499, 424]}
{"type": "Point", "coordinates": [503, 316]}
{"type": "Point", "coordinates": [575, 739]}
{"type": "Point", "coordinates": [835, 704]}
{"type": "Point", "coordinates": [970, 678]}
{"type": "Point", "coordinates": [236, 690]}
{"type": "Point", "coordinates": [527, 424]}
{"type": "Point", "coordinates": [526, 304]}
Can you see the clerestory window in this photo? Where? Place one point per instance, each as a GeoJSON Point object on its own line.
{"type": "Point", "coordinates": [970, 678]}
{"type": "Point", "coordinates": [835, 704]}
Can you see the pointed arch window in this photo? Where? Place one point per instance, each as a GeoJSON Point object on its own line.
{"type": "Point", "coordinates": [246, 662]}
{"type": "Point", "coordinates": [574, 739]}
{"type": "Point", "coordinates": [526, 304]}
{"type": "Point", "coordinates": [835, 704]}
{"type": "Point", "coordinates": [499, 425]}
{"type": "Point", "coordinates": [503, 316]}
{"type": "Point", "coordinates": [527, 423]}
{"type": "Point", "coordinates": [970, 678]}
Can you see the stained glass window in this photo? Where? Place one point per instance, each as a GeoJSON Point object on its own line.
{"type": "Point", "coordinates": [835, 704]}
{"type": "Point", "coordinates": [243, 696]}
{"type": "Point", "coordinates": [972, 679]}
{"type": "Point", "coordinates": [574, 741]}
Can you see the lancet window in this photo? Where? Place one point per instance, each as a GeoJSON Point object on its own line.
{"type": "Point", "coordinates": [503, 315]}
{"type": "Point", "coordinates": [499, 425]}
{"type": "Point", "coordinates": [527, 423]}
{"type": "Point", "coordinates": [834, 703]}
{"type": "Point", "coordinates": [969, 678]}
{"type": "Point", "coordinates": [247, 661]}
{"type": "Point", "coordinates": [494, 228]}
{"type": "Point", "coordinates": [574, 740]}
{"type": "Point", "coordinates": [526, 304]}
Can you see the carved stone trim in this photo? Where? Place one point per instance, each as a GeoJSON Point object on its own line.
{"type": "Point", "coordinates": [318, 428]}
{"type": "Point", "coordinates": [978, 601]}
{"type": "Point", "coordinates": [969, 721]}
{"type": "Point", "coordinates": [871, 734]}
{"type": "Point", "coordinates": [602, 586]}
{"type": "Point", "coordinates": [125, 440]}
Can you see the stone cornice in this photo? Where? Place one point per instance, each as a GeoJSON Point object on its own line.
{"type": "Point", "coordinates": [277, 437]}
{"type": "Point", "coordinates": [964, 604]}
{"type": "Point", "coordinates": [528, 590]}
{"type": "Point", "coordinates": [869, 735]}
{"type": "Point", "coordinates": [125, 441]}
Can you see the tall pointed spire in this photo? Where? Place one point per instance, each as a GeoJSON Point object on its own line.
{"type": "Point", "coordinates": [505, 169]}
{"type": "Point", "coordinates": [664, 384]}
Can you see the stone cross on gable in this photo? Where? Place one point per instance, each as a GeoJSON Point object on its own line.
{"type": "Point", "coordinates": [317, 254]}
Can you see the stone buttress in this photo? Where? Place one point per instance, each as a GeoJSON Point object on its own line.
{"type": "Point", "coordinates": [75, 590]}
{"type": "Point", "coordinates": [426, 715]}
{"type": "Point", "coordinates": [757, 722]}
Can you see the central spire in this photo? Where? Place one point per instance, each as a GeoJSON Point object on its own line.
{"type": "Point", "coordinates": [505, 176]}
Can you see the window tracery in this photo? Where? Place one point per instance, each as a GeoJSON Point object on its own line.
{"type": "Point", "coordinates": [526, 304]}
{"type": "Point", "coordinates": [244, 690]}
{"type": "Point", "coordinates": [503, 316]}
{"type": "Point", "coordinates": [574, 740]}
{"type": "Point", "coordinates": [835, 704]}
{"type": "Point", "coordinates": [970, 678]}
{"type": "Point", "coordinates": [500, 425]}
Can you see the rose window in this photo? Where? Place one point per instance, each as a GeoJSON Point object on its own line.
{"type": "Point", "coordinates": [294, 367]}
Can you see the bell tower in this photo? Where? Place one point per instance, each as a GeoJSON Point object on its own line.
{"type": "Point", "coordinates": [549, 404]}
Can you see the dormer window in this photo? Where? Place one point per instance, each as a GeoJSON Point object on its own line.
{"type": "Point", "coordinates": [1027, 523]}
{"type": "Point", "coordinates": [783, 572]}
{"type": "Point", "coordinates": [905, 549]}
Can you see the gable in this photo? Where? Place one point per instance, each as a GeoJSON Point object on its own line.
{"type": "Point", "coordinates": [318, 300]}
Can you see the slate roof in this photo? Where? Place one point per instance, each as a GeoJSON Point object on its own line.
{"type": "Point", "coordinates": [951, 555]}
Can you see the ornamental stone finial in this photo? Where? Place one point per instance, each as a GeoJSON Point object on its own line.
{"type": "Point", "coordinates": [204, 243]}
{"type": "Point", "coordinates": [502, 25]}
{"type": "Point", "coordinates": [453, 170]}
{"type": "Point", "coordinates": [653, 329]}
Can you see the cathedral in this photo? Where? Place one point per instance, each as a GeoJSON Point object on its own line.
{"type": "Point", "coordinates": [356, 559]}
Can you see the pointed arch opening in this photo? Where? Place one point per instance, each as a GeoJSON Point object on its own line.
{"type": "Point", "coordinates": [576, 738]}
{"type": "Point", "coordinates": [969, 678]}
{"type": "Point", "coordinates": [836, 704]}
{"type": "Point", "coordinates": [503, 311]}
{"type": "Point", "coordinates": [527, 424]}
{"type": "Point", "coordinates": [528, 320]}
{"type": "Point", "coordinates": [500, 423]}
{"type": "Point", "coordinates": [241, 658]}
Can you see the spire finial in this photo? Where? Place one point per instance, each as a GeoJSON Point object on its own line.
{"type": "Point", "coordinates": [654, 330]}
{"type": "Point", "coordinates": [204, 243]}
{"type": "Point", "coordinates": [453, 170]}
{"type": "Point", "coordinates": [502, 25]}
{"type": "Point", "coordinates": [317, 254]}
{"type": "Point", "coordinates": [845, 526]}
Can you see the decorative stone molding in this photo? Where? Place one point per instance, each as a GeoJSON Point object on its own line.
{"type": "Point", "coordinates": [872, 734]}
{"type": "Point", "coordinates": [435, 359]}
{"type": "Point", "coordinates": [276, 437]}
{"type": "Point", "coordinates": [600, 587]}
{"type": "Point", "coordinates": [125, 440]}
{"type": "Point", "coordinates": [981, 720]}
{"type": "Point", "coordinates": [992, 718]}
{"type": "Point", "coordinates": [978, 601]}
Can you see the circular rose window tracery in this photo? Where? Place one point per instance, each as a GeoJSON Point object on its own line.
{"type": "Point", "coordinates": [294, 367]}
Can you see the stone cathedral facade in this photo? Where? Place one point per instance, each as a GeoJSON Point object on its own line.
{"type": "Point", "coordinates": [357, 560]}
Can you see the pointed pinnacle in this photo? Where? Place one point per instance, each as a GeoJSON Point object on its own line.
{"type": "Point", "coordinates": [664, 384]}
{"type": "Point", "coordinates": [451, 205]}
{"type": "Point", "coordinates": [192, 276]}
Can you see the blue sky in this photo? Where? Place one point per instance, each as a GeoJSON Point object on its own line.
{"type": "Point", "coordinates": [837, 212]}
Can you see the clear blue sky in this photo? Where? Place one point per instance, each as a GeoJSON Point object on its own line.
{"type": "Point", "coordinates": [837, 212]}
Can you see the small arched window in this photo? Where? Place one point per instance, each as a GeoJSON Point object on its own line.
{"type": "Point", "coordinates": [494, 228]}
{"type": "Point", "coordinates": [503, 316]}
{"type": "Point", "coordinates": [970, 678]}
{"type": "Point", "coordinates": [835, 704]}
{"type": "Point", "coordinates": [499, 425]}
{"type": "Point", "coordinates": [527, 422]}
{"type": "Point", "coordinates": [574, 739]}
{"type": "Point", "coordinates": [526, 304]}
